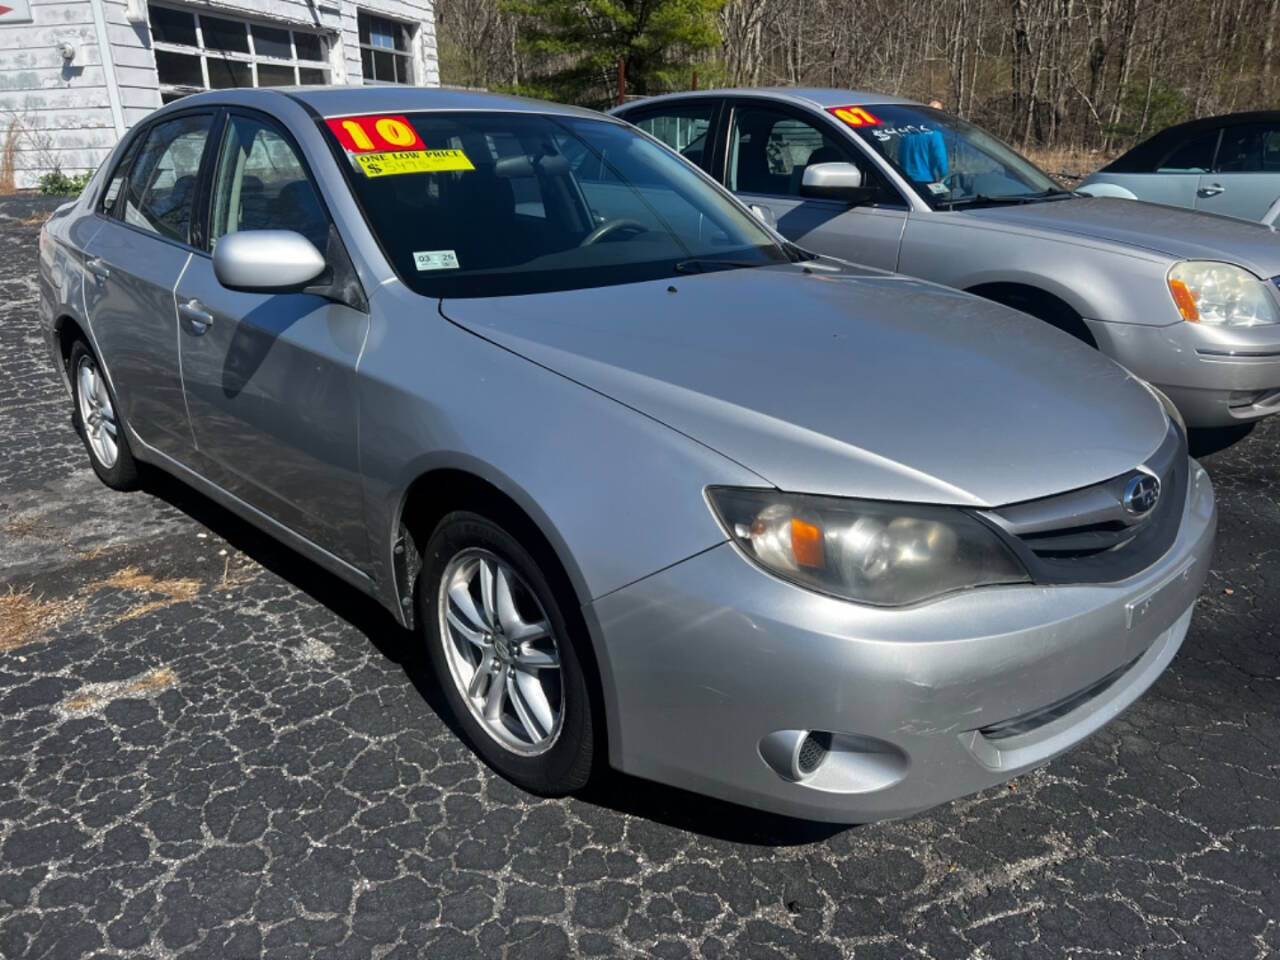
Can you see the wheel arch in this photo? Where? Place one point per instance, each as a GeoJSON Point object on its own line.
{"type": "Point", "coordinates": [463, 484]}
{"type": "Point", "coordinates": [1038, 302]}
{"type": "Point", "coordinates": [66, 330]}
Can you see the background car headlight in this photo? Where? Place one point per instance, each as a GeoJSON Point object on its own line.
{"type": "Point", "coordinates": [888, 554]}
{"type": "Point", "coordinates": [1221, 295]}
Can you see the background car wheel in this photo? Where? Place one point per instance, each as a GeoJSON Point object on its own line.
{"type": "Point", "coordinates": [505, 656]}
{"type": "Point", "coordinates": [98, 421]}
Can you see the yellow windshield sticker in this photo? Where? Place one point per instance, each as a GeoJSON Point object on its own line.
{"type": "Point", "coordinates": [412, 161]}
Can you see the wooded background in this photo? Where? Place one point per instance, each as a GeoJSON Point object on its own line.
{"type": "Point", "coordinates": [1070, 75]}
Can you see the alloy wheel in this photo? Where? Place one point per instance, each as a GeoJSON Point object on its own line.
{"type": "Point", "coordinates": [502, 652]}
{"type": "Point", "coordinates": [96, 413]}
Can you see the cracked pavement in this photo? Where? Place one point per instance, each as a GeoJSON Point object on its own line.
{"type": "Point", "coordinates": [211, 748]}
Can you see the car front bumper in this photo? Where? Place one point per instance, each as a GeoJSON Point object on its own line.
{"type": "Point", "coordinates": [709, 658]}
{"type": "Point", "coordinates": [1217, 376]}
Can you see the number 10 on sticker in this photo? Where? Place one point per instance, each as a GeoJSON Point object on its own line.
{"type": "Point", "coordinates": [369, 133]}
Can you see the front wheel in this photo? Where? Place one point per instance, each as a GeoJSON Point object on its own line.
{"type": "Point", "coordinates": [505, 655]}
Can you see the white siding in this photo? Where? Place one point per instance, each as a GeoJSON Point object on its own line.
{"type": "Point", "coordinates": [59, 114]}
{"type": "Point", "coordinates": [55, 113]}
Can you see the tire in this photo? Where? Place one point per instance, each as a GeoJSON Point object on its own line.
{"type": "Point", "coordinates": [542, 737]}
{"type": "Point", "coordinates": [99, 422]}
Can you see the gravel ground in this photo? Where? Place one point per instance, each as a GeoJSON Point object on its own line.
{"type": "Point", "coordinates": [210, 748]}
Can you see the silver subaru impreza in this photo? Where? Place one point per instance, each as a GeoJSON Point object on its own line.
{"type": "Point", "coordinates": [656, 489]}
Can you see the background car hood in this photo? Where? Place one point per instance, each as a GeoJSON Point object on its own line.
{"type": "Point", "coordinates": [844, 382]}
{"type": "Point", "coordinates": [1177, 232]}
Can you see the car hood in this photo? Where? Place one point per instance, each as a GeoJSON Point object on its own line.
{"type": "Point", "coordinates": [1174, 231]}
{"type": "Point", "coordinates": [848, 382]}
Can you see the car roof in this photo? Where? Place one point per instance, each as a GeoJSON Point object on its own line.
{"type": "Point", "coordinates": [1144, 157]}
{"type": "Point", "coordinates": [338, 101]}
{"type": "Point", "coordinates": [821, 97]}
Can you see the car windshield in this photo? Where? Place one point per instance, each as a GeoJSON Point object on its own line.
{"type": "Point", "coordinates": [950, 162]}
{"type": "Point", "coordinates": [495, 204]}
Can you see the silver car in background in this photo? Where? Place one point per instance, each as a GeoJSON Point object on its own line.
{"type": "Point", "coordinates": [1228, 165]}
{"type": "Point", "coordinates": [655, 489]}
{"type": "Point", "coordinates": [1186, 301]}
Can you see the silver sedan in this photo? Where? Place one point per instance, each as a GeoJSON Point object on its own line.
{"type": "Point", "coordinates": [1184, 300]}
{"type": "Point", "coordinates": [656, 489]}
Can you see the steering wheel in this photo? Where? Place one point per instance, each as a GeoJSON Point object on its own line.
{"type": "Point", "coordinates": [612, 226]}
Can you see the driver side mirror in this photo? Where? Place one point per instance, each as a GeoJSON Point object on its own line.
{"type": "Point", "coordinates": [834, 181]}
{"type": "Point", "coordinates": [266, 261]}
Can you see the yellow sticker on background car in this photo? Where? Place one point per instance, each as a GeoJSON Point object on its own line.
{"type": "Point", "coordinates": [412, 161]}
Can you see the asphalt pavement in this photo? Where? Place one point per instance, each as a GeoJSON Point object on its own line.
{"type": "Point", "coordinates": [211, 748]}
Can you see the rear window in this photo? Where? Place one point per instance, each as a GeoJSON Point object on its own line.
{"type": "Point", "coordinates": [495, 204]}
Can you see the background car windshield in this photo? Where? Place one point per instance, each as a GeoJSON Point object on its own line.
{"type": "Point", "coordinates": [553, 203]}
{"type": "Point", "coordinates": [948, 160]}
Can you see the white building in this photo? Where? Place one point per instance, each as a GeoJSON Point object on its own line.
{"type": "Point", "coordinates": [76, 74]}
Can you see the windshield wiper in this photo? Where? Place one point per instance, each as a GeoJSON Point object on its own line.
{"type": "Point", "coordinates": [983, 198]}
{"type": "Point", "coordinates": [1013, 198]}
{"type": "Point", "coordinates": [696, 264]}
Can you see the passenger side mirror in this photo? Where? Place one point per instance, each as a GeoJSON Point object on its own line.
{"type": "Point", "coordinates": [834, 181]}
{"type": "Point", "coordinates": [265, 261]}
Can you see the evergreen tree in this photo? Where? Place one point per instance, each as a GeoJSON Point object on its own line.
{"type": "Point", "coordinates": [580, 42]}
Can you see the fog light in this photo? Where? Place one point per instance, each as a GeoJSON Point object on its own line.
{"type": "Point", "coordinates": [813, 750]}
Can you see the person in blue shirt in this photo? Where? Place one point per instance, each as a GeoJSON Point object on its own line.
{"type": "Point", "coordinates": [923, 153]}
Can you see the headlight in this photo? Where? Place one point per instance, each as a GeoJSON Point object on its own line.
{"type": "Point", "coordinates": [887, 554]}
{"type": "Point", "coordinates": [1221, 295]}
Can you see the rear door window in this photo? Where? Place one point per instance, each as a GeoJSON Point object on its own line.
{"type": "Point", "coordinates": [161, 187]}
{"type": "Point", "coordinates": [107, 203]}
{"type": "Point", "coordinates": [1249, 148]}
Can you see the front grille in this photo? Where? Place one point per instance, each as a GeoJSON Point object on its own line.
{"type": "Point", "coordinates": [1025, 723]}
{"type": "Point", "coordinates": [1088, 535]}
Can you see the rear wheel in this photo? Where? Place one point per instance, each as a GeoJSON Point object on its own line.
{"type": "Point", "coordinates": [505, 655]}
{"type": "Point", "coordinates": [98, 420]}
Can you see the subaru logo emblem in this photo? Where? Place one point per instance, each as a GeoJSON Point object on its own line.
{"type": "Point", "coordinates": [1141, 493]}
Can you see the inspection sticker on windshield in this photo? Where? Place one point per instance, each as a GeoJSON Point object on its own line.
{"type": "Point", "coordinates": [435, 260]}
{"type": "Point", "coordinates": [412, 161]}
{"type": "Point", "coordinates": [855, 116]}
{"type": "Point", "coordinates": [937, 189]}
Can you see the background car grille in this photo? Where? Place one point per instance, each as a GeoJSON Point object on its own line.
{"type": "Point", "coordinates": [1086, 535]}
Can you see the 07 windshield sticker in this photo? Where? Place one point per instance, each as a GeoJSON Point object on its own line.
{"type": "Point", "coordinates": [855, 116]}
{"type": "Point", "coordinates": [412, 161]}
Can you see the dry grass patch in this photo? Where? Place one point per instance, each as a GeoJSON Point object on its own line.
{"type": "Point", "coordinates": [1068, 163]}
{"type": "Point", "coordinates": [166, 592]}
{"type": "Point", "coordinates": [26, 617]}
{"type": "Point", "coordinates": [28, 526]}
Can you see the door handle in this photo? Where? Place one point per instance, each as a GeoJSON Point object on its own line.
{"type": "Point", "coordinates": [200, 318]}
{"type": "Point", "coordinates": [98, 267]}
{"type": "Point", "coordinates": [1212, 190]}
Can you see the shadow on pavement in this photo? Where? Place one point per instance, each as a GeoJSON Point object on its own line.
{"type": "Point", "coordinates": [617, 791]}
{"type": "Point", "coordinates": [1206, 440]}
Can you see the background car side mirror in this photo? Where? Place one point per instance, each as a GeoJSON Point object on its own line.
{"type": "Point", "coordinates": [266, 260]}
{"type": "Point", "coordinates": [834, 181]}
